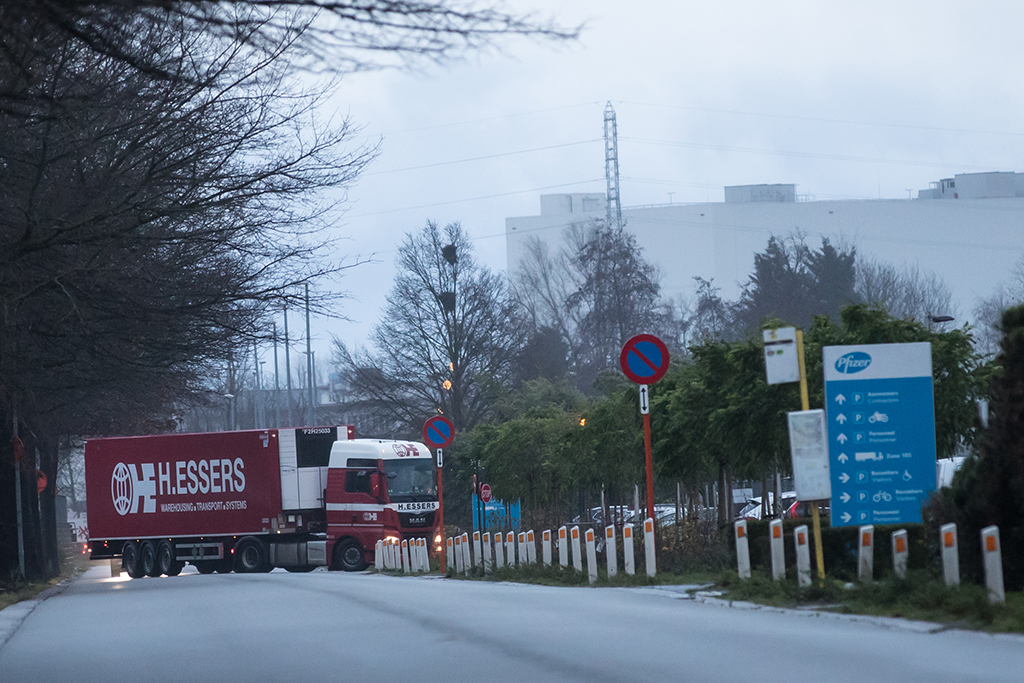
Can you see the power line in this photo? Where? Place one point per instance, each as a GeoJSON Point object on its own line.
{"type": "Point", "coordinates": [808, 155]}
{"type": "Point", "coordinates": [880, 124]}
{"type": "Point", "coordinates": [481, 158]}
{"type": "Point", "coordinates": [473, 199]}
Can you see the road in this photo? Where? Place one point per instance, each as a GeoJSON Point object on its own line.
{"type": "Point", "coordinates": [358, 627]}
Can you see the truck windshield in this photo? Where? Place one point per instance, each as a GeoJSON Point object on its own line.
{"type": "Point", "coordinates": [414, 480]}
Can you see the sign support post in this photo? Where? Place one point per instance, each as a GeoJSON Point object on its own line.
{"type": "Point", "coordinates": [805, 404]}
{"type": "Point", "coordinates": [438, 431]}
{"type": "Point", "coordinates": [644, 360]}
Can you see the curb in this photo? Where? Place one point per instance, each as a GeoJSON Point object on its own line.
{"type": "Point", "coordinates": [896, 623]}
{"type": "Point", "coordinates": [12, 617]}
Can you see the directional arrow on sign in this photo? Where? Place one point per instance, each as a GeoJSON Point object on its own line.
{"type": "Point", "coordinates": [843, 458]}
{"type": "Point", "coordinates": [840, 399]}
{"type": "Point", "coordinates": [845, 497]}
{"type": "Point", "coordinates": [846, 517]}
{"type": "Point", "coordinates": [840, 418]}
{"type": "Point", "coordinates": [844, 477]}
{"type": "Point", "coordinates": [842, 438]}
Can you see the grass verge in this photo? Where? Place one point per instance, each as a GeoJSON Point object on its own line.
{"type": "Point", "coordinates": [920, 596]}
{"type": "Point", "coordinates": [16, 590]}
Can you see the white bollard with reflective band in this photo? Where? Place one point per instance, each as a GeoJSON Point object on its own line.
{"type": "Point", "coordinates": [545, 546]}
{"type": "Point", "coordinates": [591, 556]}
{"type": "Point", "coordinates": [424, 555]}
{"type": "Point", "coordinates": [628, 561]}
{"type": "Point", "coordinates": [459, 557]}
{"type": "Point", "coordinates": [521, 549]}
{"type": "Point", "coordinates": [389, 554]}
{"type": "Point", "coordinates": [742, 549]}
{"type": "Point", "coordinates": [900, 550]}
{"type": "Point", "coordinates": [577, 554]}
{"type": "Point", "coordinates": [421, 562]}
{"type": "Point", "coordinates": [510, 549]}
{"type": "Point", "coordinates": [563, 546]}
{"type": "Point", "coordinates": [866, 553]}
{"type": "Point", "coordinates": [778, 550]}
{"type": "Point", "coordinates": [611, 552]}
{"type": "Point", "coordinates": [499, 551]}
{"type": "Point", "coordinates": [486, 548]}
{"type": "Point", "coordinates": [478, 553]}
{"type": "Point", "coordinates": [531, 547]}
{"type": "Point", "coordinates": [467, 559]}
{"type": "Point", "coordinates": [450, 554]}
{"type": "Point", "coordinates": [649, 547]}
{"type": "Point", "coordinates": [406, 567]}
{"type": "Point", "coordinates": [950, 554]}
{"type": "Point", "coordinates": [803, 556]}
{"type": "Point", "coordinates": [992, 553]}
{"type": "Point", "coordinates": [378, 555]}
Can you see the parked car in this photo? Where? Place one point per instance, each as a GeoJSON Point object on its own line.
{"type": "Point", "coordinates": [752, 511]}
{"type": "Point", "coordinates": [800, 509]}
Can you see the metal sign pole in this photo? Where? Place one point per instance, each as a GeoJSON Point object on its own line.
{"type": "Point", "coordinates": [440, 504]}
{"type": "Point", "coordinates": [805, 404]}
{"type": "Point", "coordinates": [645, 410]}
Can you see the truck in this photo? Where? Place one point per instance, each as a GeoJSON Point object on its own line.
{"type": "Point", "coordinates": [250, 501]}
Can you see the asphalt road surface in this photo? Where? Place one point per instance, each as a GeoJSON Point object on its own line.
{"type": "Point", "coordinates": [356, 627]}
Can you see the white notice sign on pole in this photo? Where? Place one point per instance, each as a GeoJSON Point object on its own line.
{"type": "Point", "coordinates": [780, 359]}
{"type": "Point", "coordinates": [808, 444]}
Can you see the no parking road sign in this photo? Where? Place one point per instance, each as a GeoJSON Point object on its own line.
{"type": "Point", "coordinates": [438, 431]}
{"type": "Point", "coordinates": [644, 359]}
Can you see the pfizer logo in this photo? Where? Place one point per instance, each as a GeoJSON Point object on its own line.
{"type": "Point", "coordinates": [853, 362]}
{"type": "Point", "coordinates": [121, 488]}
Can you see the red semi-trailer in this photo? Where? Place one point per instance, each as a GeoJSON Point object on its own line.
{"type": "Point", "coordinates": [249, 501]}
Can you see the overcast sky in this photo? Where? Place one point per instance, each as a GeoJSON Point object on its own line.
{"type": "Point", "coordinates": [863, 100]}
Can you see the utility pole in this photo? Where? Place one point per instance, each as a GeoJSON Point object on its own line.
{"type": "Point", "coordinates": [288, 367]}
{"type": "Point", "coordinates": [18, 448]}
{"type": "Point", "coordinates": [613, 207]}
{"type": "Point", "coordinates": [277, 384]}
{"type": "Point", "coordinates": [309, 363]}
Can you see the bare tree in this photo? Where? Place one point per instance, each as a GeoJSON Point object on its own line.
{"type": "Point", "coordinates": [446, 341]}
{"type": "Point", "coordinates": [905, 292]}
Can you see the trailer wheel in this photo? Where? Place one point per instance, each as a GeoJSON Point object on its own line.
{"type": "Point", "coordinates": [205, 567]}
{"type": "Point", "coordinates": [165, 561]}
{"type": "Point", "coordinates": [147, 559]}
{"type": "Point", "coordinates": [250, 556]}
{"type": "Point", "coordinates": [349, 555]}
{"type": "Point", "coordinates": [301, 569]}
{"type": "Point", "coordinates": [130, 560]}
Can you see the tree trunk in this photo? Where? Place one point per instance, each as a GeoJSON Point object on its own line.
{"type": "Point", "coordinates": [48, 447]}
{"type": "Point", "coordinates": [723, 508]}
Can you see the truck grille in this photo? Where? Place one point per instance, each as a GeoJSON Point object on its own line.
{"type": "Point", "coordinates": [416, 519]}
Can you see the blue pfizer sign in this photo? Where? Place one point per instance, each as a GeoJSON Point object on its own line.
{"type": "Point", "coordinates": [853, 362]}
{"type": "Point", "coordinates": [880, 411]}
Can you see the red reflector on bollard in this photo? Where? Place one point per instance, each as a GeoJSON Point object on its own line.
{"type": "Point", "coordinates": [901, 545]}
{"type": "Point", "coordinates": [776, 532]}
{"type": "Point", "coordinates": [990, 543]}
{"type": "Point", "coordinates": [741, 532]}
{"type": "Point", "coordinates": [865, 540]}
{"type": "Point", "coordinates": [801, 538]}
{"type": "Point", "coordinates": [949, 539]}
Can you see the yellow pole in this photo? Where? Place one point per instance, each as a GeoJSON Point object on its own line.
{"type": "Point", "coordinates": [805, 404]}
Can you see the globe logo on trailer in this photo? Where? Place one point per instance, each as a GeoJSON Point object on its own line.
{"type": "Point", "coordinates": [121, 489]}
{"type": "Point", "coordinates": [853, 362]}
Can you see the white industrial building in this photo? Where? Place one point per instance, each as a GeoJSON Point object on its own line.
{"type": "Point", "coordinates": [968, 229]}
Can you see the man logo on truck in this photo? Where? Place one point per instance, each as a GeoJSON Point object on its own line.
{"type": "Point", "coordinates": [126, 488]}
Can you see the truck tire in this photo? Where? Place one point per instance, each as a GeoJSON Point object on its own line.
{"type": "Point", "coordinates": [147, 559]}
{"type": "Point", "coordinates": [165, 562]}
{"type": "Point", "coordinates": [206, 567]}
{"type": "Point", "coordinates": [349, 556]}
{"type": "Point", "coordinates": [302, 569]}
{"type": "Point", "coordinates": [130, 560]}
{"type": "Point", "coordinates": [251, 556]}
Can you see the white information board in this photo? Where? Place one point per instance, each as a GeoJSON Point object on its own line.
{"type": "Point", "coordinates": [780, 359]}
{"type": "Point", "coordinates": [808, 445]}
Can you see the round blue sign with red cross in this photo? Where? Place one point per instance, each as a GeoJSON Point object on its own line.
{"type": "Point", "coordinates": [438, 431]}
{"type": "Point", "coordinates": [644, 359]}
